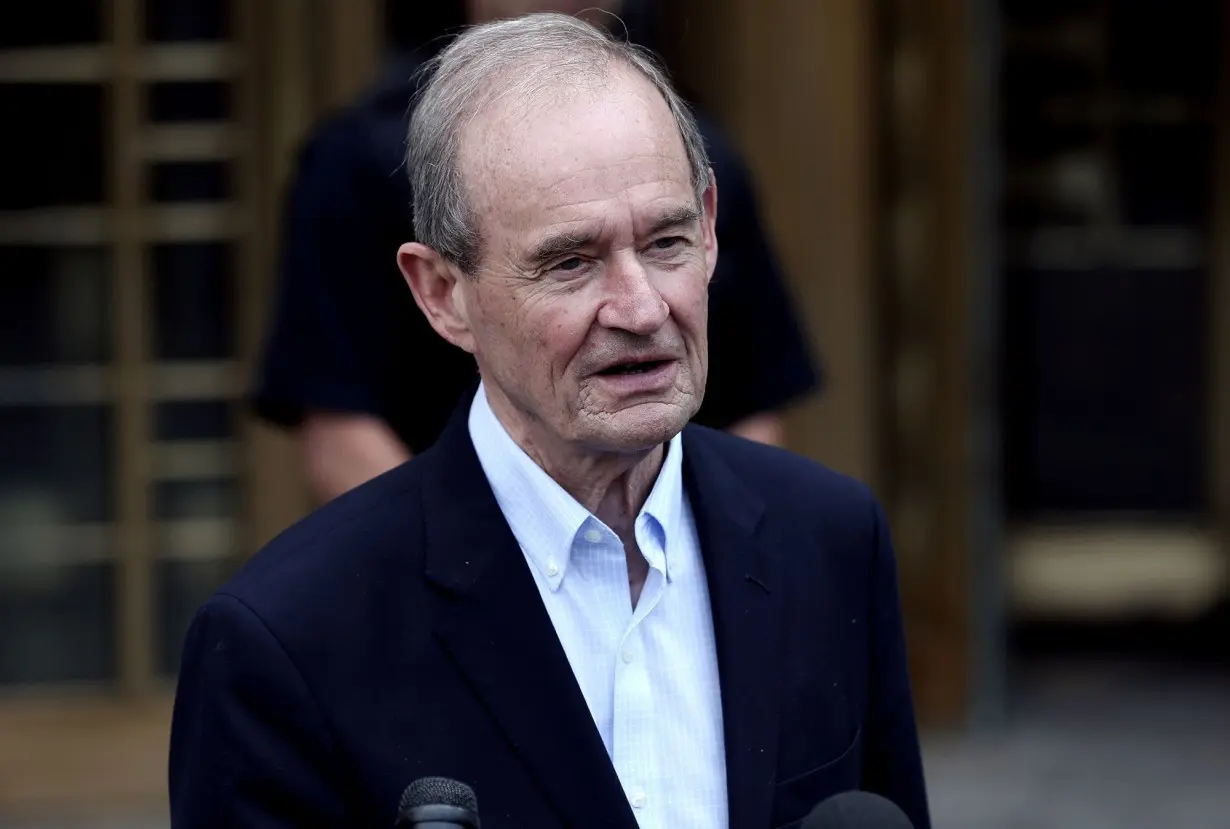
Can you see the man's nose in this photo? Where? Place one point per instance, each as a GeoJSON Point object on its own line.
{"type": "Point", "coordinates": [632, 302]}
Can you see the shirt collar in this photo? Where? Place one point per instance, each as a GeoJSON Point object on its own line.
{"type": "Point", "coordinates": [547, 521]}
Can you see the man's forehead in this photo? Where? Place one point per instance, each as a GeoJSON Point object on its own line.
{"type": "Point", "coordinates": [560, 147]}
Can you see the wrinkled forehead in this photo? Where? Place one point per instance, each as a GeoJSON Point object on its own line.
{"type": "Point", "coordinates": [530, 156]}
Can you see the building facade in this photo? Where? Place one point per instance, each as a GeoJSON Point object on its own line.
{"type": "Point", "coordinates": [961, 195]}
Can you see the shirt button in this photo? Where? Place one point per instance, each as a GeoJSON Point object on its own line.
{"type": "Point", "coordinates": [627, 655]}
{"type": "Point", "coordinates": [638, 799]}
{"type": "Point", "coordinates": [552, 567]}
{"type": "Point", "coordinates": [593, 536]}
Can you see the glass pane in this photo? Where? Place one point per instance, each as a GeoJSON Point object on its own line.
{"type": "Point", "coordinates": [57, 463]}
{"type": "Point", "coordinates": [53, 305]}
{"type": "Point", "coordinates": [62, 23]}
{"type": "Point", "coordinates": [1156, 53]}
{"type": "Point", "coordinates": [57, 155]}
{"type": "Point", "coordinates": [57, 623]}
{"type": "Point", "coordinates": [178, 181]}
{"type": "Point", "coordinates": [1166, 173]}
{"type": "Point", "coordinates": [175, 20]}
{"type": "Point", "coordinates": [207, 498]}
{"type": "Point", "coordinates": [193, 301]}
{"type": "Point", "coordinates": [194, 420]}
{"type": "Point", "coordinates": [1029, 79]}
{"type": "Point", "coordinates": [190, 101]}
{"type": "Point", "coordinates": [1045, 12]}
{"type": "Point", "coordinates": [183, 586]}
{"type": "Point", "coordinates": [1106, 400]}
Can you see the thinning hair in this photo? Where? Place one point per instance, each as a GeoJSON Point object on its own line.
{"type": "Point", "coordinates": [525, 56]}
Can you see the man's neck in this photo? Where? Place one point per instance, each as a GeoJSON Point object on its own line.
{"type": "Point", "coordinates": [612, 485]}
{"type": "Point", "coordinates": [614, 489]}
{"type": "Point", "coordinates": [617, 501]}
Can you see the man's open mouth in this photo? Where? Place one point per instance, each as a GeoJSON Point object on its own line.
{"type": "Point", "coordinates": [632, 368]}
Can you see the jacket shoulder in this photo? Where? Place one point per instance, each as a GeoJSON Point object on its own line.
{"type": "Point", "coordinates": [784, 478]}
{"type": "Point", "coordinates": [336, 549]}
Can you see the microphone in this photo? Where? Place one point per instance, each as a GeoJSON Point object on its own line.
{"type": "Point", "coordinates": [437, 803]}
{"type": "Point", "coordinates": [856, 810]}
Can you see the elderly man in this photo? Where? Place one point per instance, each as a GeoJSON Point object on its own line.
{"type": "Point", "coordinates": [589, 611]}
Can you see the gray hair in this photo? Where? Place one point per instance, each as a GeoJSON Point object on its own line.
{"type": "Point", "coordinates": [514, 57]}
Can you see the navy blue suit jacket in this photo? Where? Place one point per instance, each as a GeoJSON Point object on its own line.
{"type": "Point", "coordinates": [397, 633]}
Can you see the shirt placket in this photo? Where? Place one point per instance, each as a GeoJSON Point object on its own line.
{"type": "Point", "coordinates": [636, 755]}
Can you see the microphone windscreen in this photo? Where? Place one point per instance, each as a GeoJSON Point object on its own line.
{"type": "Point", "coordinates": [857, 810]}
{"type": "Point", "coordinates": [438, 791]}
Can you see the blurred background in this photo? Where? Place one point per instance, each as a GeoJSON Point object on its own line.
{"type": "Point", "coordinates": [1007, 227]}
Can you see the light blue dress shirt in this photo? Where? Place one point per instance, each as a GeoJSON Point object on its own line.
{"type": "Point", "coordinates": [649, 675]}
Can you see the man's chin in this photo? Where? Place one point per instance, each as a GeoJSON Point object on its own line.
{"type": "Point", "coordinates": [644, 426]}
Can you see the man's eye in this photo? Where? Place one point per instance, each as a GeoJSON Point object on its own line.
{"type": "Point", "coordinates": [572, 264]}
{"type": "Point", "coordinates": [668, 242]}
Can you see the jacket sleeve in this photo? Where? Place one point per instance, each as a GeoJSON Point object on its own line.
{"type": "Point", "coordinates": [892, 761]}
{"type": "Point", "coordinates": [249, 748]}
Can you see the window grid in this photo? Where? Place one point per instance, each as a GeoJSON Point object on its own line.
{"type": "Point", "coordinates": [128, 225]}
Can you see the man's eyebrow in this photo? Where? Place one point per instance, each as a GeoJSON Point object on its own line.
{"type": "Point", "coordinates": [684, 214]}
{"type": "Point", "coordinates": [560, 244]}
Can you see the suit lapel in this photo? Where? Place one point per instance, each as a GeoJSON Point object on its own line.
{"type": "Point", "coordinates": [746, 595]}
{"type": "Point", "coordinates": [495, 628]}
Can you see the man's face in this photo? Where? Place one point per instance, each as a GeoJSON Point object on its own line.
{"type": "Point", "coordinates": [588, 312]}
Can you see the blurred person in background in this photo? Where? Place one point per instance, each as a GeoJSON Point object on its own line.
{"type": "Point", "coordinates": [352, 365]}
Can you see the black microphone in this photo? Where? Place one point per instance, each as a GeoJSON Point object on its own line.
{"type": "Point", "coordinates": [856, 810]}
{"type": "Point", "coordinates": [437, 803]}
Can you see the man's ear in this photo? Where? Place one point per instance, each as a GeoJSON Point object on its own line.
{"type": "Point", "coordinates": [435, 283]}
{"type": "Point", "coordinates": [709, 221]}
